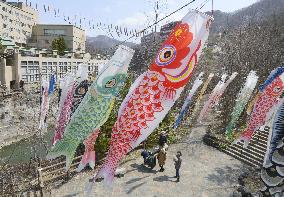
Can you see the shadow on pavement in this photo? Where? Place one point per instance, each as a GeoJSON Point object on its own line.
{"type": "Point", "coordinates": [141, 168]}
{"type": "Point", "coordinates": [72, 195]}
{"type": "Point", "coordinates": [164, 178]}
{"type": "Point", "coordinates": [224, 175]}
{"type": "Point", "coordinates": [135, 180]}
{"type": "Point", "coordinates": [135, 187]}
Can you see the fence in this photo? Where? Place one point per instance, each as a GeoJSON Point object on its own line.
{"type": "Point", "coordinates": [35, 180]}
{"type": "Point", "coordinates": [55, 172]}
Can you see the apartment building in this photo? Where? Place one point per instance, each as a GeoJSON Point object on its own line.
{"type": "Point", "coordinates": [17, 21]}
{"type": "Point", "coordinates": [44, 34]}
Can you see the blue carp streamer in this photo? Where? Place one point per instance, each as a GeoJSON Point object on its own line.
{"type": "Point", "coordinates": [196, 84]}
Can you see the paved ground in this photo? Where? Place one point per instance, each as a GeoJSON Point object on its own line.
{"type": "Point", "coordinates": [205, 172]}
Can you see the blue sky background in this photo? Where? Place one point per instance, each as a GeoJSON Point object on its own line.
{"type": "Point", "coordinates": [127, 13]}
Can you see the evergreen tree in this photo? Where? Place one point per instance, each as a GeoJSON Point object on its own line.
{"type": "Point", "coordinates": [59, 44]}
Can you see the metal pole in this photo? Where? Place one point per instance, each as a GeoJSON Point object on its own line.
{"type": "Point", "coordinates": [212, 8]}
{"type": "Point", "coordinates": [157, 14]}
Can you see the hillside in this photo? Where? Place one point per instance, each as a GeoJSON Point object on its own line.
{"type": "Point", "coordinates": [103, 44]}
{"type": "Point", "coordinates": [253, 44]}
{"type": "Point", "coordinates": [257, 12]}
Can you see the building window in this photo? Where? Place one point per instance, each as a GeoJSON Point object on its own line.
{"type": "Point", "coordinates": [57, 32]}
{"type": "Point", "coordinates": [60, 69]}
{"type": "Point", "coordinates": [32, 78]}
{"type": "Point", "coordinates": [37, 77]}
{"type": "Point", "coordinates": [44, 69]}
{"type": "Point", "coordinates": [24, 63]}
{"type": "Point", "coordinates": [24, 78]}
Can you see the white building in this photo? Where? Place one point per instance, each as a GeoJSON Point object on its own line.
{"type": "Point", "coordinates": [31, 67]}
{"type": "Point", "coordinates": [17, 21]}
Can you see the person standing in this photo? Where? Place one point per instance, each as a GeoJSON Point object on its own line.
{"type": "Point", "coordinates": [145, 154]}
{"type": "Point", "coordinates": [163, 139]}
{"type": "Point", "coordinates": [162, 156]}
{"type": "Point", "coordinates": [177, 162]}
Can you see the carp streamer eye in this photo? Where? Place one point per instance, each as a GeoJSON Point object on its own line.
{"type": "Point", "coordinates": [276, 89]}
{"type": "Point", "coordinates": [166, 55]}
{"type": "Point", "coordinates": [110, 83]}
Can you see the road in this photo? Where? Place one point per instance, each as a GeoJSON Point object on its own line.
{"type": "Point", "coordinates": [205, 172]}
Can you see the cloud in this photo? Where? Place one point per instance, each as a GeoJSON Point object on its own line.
{"type": "Point", "coordinates": [171, 2]}
{"type": "Point", "coordinates": [107, 9]}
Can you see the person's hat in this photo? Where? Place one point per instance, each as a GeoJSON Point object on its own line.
{"type": "Point", "coordinates": [163, 132]}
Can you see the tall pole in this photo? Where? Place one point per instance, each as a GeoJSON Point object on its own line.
{"type": "Point", "coordinates": [157, 14]}
{"type": "Point", "coordinates": [212, 8]}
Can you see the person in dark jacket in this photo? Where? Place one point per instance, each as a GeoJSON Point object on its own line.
{"type": "Point", "coordinates": [177, 162]}
{"type": "Point", "coordinates": [145, 154]}
{"type": "Point", "coordinates": [163, 139]}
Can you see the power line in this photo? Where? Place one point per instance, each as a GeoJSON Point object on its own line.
{"type": "Point", "coordinates": [202, 5]}
{"type": "Point", "coordinates": [158, 21]}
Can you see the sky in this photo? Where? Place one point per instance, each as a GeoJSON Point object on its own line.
{"type": "Point", "coordinates": [133, 14]}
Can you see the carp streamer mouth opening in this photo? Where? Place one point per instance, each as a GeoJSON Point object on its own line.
{"type": "Point", "coordinates": [183, 75]}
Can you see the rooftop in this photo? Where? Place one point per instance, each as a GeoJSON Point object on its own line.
{"type": "Point", "coordinates": [60, 25]}
{"type": "Point", "coordinates": [7, 42]}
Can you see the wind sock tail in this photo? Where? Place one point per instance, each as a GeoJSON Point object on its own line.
{"type": "Point", "coordinates": [176, 125]}
{"type": "Point", "coordinates": [107, 171]}
{"type": "Point", "coordinates": [66, 148]}
{"type": "Point", "coordinates": [56, 138]}
{"type": "Point", "coordinates": [229, 131]}
{"type": "Point", "coordinates": [243, 138]}
{"type": "Point", "coordinates": [88, 158]}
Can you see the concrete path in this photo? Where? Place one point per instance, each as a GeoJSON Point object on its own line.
{"type": "Point", "coordinates": [205, 172]}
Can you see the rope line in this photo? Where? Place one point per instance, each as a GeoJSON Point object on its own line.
{"type": "Point", "coordinates": [158, 21]}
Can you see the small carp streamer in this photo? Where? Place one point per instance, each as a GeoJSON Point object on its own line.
{"type": "Point", "coordinates": [270, 92]}
{"type": "Point", "coordinates": [242, 101]}
{"type": "Point", "coordinates": [215, 96]}
{"type": "Point", "coordinates": [47, 90]}
{"type": "Point", "coordinates": [201, 93]}
{"type": "Point", "coordinates": [70, 86]}
{"type": "Point", "coordinates": [44, 103]}
{"type": "Point", "coordinates": [251, 104]}
{"type": "Point", "coordinates": [96, 106]}
{"type": "Point", "coordinates": [81, 86]}
{"type": "Point", "coordinates": [272, 172]}
{"type": "Point", "coordinates": [89, 156]}
{"type": "Point", "coordinates": [154, 93]}
{"type": "Point", "coordinates": [66, 99]}
{"type": "Point", "coordinates": [196, 84]}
